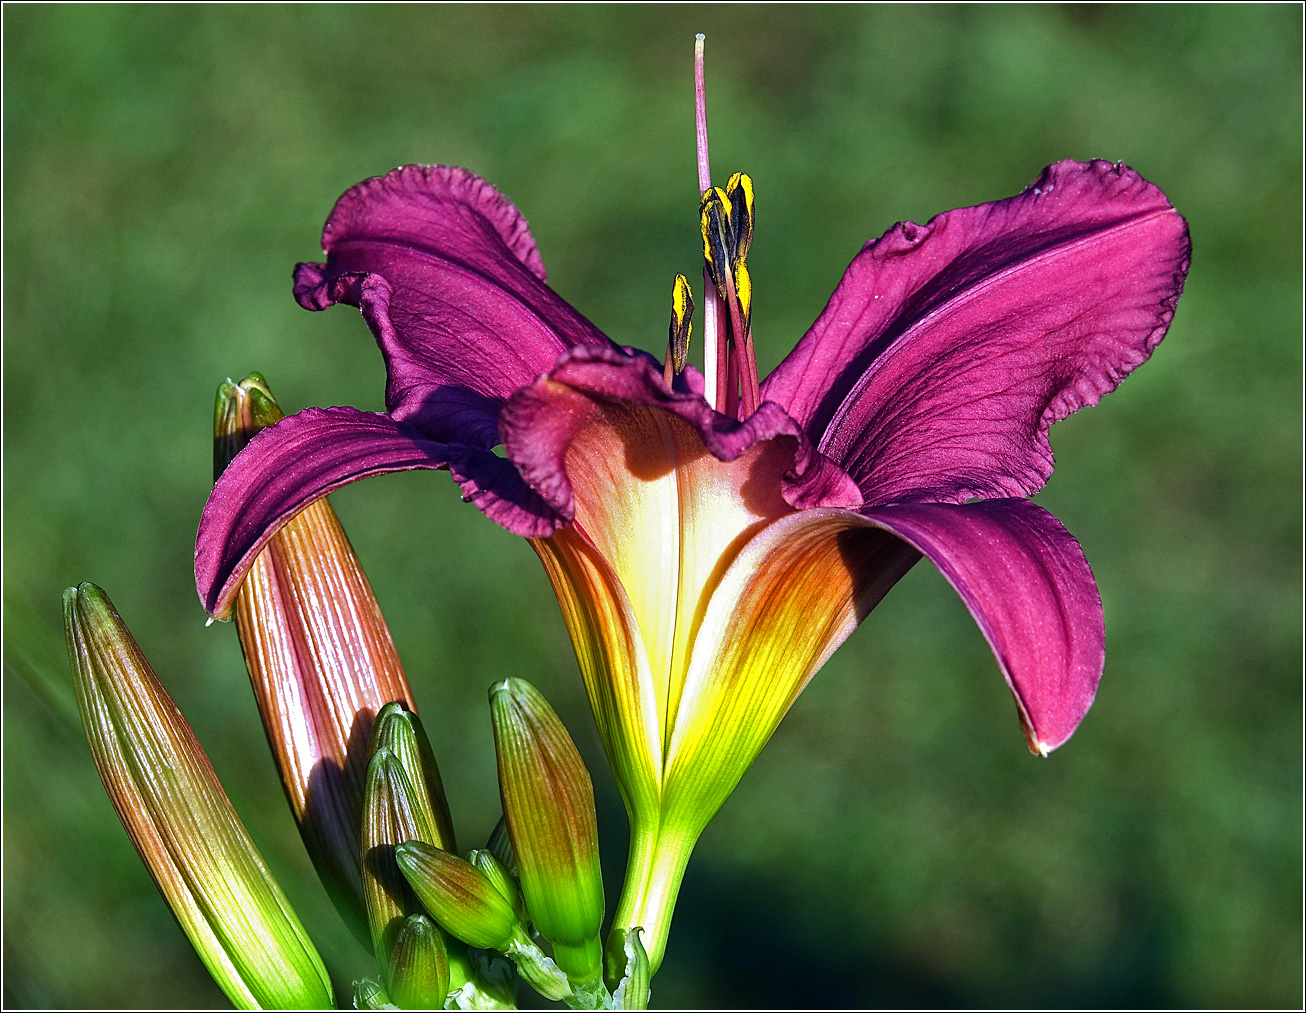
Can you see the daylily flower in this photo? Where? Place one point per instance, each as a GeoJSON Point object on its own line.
{"type": "Point", "coordinates": [708, 557]}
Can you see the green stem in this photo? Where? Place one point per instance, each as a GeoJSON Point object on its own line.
{"type": "Point", "coordinates": [653, 873]}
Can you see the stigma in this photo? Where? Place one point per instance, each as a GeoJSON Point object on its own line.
{"type": "Point", "coordinates": [726, 218]}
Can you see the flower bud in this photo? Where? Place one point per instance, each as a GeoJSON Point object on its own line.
{"type": "Point", "coordinates": [504, 881]}
{"type": "Point", "coordinates": [320, 660]}
{"type": "Point", "coordinates": [181, 821]}
{"type": "Point", "coordinates": [399, 730]}
{"type": "Point", "coordinates": [548, 801]}
{"type": "Point", "coordinates": [459, 896]}
{"type": "Point", "coordinates": [419, 966]}
{"type": "Point", "coordinates": [390, 817]}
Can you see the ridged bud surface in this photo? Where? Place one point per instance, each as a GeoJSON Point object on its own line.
{"type": "Point", "coordinates": [548, 801]}
{"type": "Point", "coordinates": [181, 821]}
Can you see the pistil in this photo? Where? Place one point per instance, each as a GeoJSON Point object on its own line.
{"type": "Point", "coordinates": [715, 358]}
{"type": "Point", "coordinates": [729, 364]}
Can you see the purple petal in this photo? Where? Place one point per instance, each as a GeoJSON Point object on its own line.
{"type": "Point", "coordinates": [540, 421]}
{"type": "Point", "coordinates": [307, 455]}
{"type": "Point", "coordinates": [1026, 582]}
{"type": "Point", "coordinates": [949, 349]}
{"type": "Point", "coordinates": [447, 276]}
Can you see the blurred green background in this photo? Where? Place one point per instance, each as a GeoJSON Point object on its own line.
{"type": "Point", "coordinates": [164, 168]}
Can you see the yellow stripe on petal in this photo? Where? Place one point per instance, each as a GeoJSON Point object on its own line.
{"type": "Point", "coordinates": [613, 663]}
{"type": "Point", "coordinates": [791, 597]}
{"type": "Point", "coordinates": [668, 518]}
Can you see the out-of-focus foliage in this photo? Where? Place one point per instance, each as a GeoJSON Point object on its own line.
{"type": "Point", "coordinates": [164, 168]}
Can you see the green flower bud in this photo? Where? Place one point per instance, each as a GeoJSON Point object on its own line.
{"type": "Point", "coordinates": [400, 730]}
{"type": "Point", "coordinates": [504, 881]}
{"type": "Point", "coordinates": [459, 896]}
{"type": "Point", "coordinates": [548, 801]}
{"type": "Point", "coordinates": [419, 966]}
{"type": "Point", "coordinates": [390, 817]}
{"type": "Point", "coordinates": [181, 821]}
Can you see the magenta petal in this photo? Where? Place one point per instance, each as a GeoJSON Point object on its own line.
{"type": "Point", "coordinates": [447, 276]}
{"type": "Point", "coordinates": [1026, 582]}
{"type": "Point", "coordinates": [540, 421]}
{"type": "Point", "coordinates": [949, 349]}
{"type": "Point", "coordinates": [307, 455]}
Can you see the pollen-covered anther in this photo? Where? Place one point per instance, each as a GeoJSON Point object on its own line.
{"type": "Point", "coordinates": [718, 236]}
{"type": "Point", "coordinates": [739, 194]}
{"type": "Point", "coordinates": [680, 329]}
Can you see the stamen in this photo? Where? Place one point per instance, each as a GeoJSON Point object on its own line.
{"type": "Point", "coordinates": [739, 194]}
{"type": "Point", "coordinates": [680, 331]}
{"type": "Point", "coordinates": [718, 236]}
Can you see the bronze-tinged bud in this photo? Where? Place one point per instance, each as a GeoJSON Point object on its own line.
{"type": "Point", "coordinates": [320, 660]}
{"type": "Point", "coordinates": [181, 821]}
{"type": "Point", "coordinates": [459, 896]}
{"type": "Point", "coordinates": [419, 966]}
{"type": "Point", "coordinates": [548, 801]}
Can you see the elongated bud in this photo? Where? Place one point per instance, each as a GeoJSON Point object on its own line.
{"type": "Point", "coordinates": [548, 801]}
{"type": "Point", "coordinates": [391, 816]}
{"type": "Point", "coordinates": [320, 660]}
{"type": "Point", "coordinates": [399, 730]}
{"type": "Point", "coordinates": [459, 896]}
{"type": "Point", "coordinates": [419, 966]}
{"type": "Point", "coordinates": [497, 873]}
{"type": "Point", "coordinates": [183, 825]}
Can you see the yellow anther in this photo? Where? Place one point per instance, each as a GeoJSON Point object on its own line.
{"type": "Point", "coordinates": [739, 194]}
{"type": "Point", "coordinates": [682, 310]}
{"type": "Point", "coordinates": [743, 290]}
{"type": "Point", "coordinates": [717, 235]}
